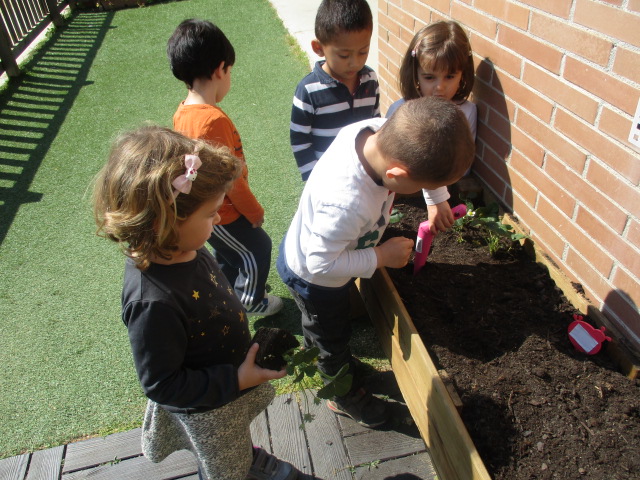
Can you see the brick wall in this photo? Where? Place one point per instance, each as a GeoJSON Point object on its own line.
{"type": "Point", "coordinates": [557, 84]}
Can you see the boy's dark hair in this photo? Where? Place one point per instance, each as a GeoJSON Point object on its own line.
{"type": "Point", "coordinates": [196, 48]}
{"type": "Point", "coordinates": [430, 136]}
{"type": "Point", "coordinates": [339, 16]}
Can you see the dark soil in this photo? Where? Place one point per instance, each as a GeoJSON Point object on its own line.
{"type": "Point", "coordinates": [534, 407]}
{"type": "Point", "coordinates": [274, 343]}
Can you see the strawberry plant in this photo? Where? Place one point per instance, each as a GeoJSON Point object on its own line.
{"type": "Point", "coordinates": [487, 219]}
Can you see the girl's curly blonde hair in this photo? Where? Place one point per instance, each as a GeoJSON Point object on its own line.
{"type": "Point", "coordinates": [133, 199]}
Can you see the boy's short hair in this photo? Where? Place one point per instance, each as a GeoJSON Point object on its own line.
{"type": "Point", "coordinates": [430, 136]}
{"type": "Point", "coordinates": [196, 48]}
{"type": "Point", "coordinates": [339, 16]}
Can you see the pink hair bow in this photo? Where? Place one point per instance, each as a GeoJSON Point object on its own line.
{"type": "Point", "coordinates": [182, 184]}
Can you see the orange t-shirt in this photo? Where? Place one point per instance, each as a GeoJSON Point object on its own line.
{"type": "Point", "coordinates": [210, 123]}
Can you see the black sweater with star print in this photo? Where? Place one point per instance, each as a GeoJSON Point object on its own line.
{"type": "Point", "coordinates": [188, 332]}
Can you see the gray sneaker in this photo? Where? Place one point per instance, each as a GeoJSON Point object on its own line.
{"type": "Point", "coordinates": [267, 467]}
{"type": "Point", "coordinates": [362, 406]}
{"type": "Point", "coordinates": [269, 305]}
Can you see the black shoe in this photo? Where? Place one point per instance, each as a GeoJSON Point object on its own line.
{"type": "Point", "coordinates": [267, 467]}
{"type": "Point", "coordinates": [360, 405]}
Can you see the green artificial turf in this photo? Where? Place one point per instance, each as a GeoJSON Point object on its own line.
{"type": "Point", "coordinates": [67, 368]}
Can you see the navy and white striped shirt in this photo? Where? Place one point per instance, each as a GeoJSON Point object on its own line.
{"type": "Point", "coordinates": [322, 106]}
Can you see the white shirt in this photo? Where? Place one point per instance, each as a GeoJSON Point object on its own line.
{"type": "Point", "coordinates": [342, 214]}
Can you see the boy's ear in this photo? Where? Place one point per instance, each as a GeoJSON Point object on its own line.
{"type": "Point", "coordinates": [316, 46]}
{"type": "Point", "coordinates": [397, 171]}
{"type": "Point", "coordinates": [219, 71]}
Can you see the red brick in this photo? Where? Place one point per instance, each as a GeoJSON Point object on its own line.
{"type": "Point", "coordinates": [500, 57]}
{"type": "Point", "coordinates": [565, 36]}
{"type": "Point", "coordinates": [596, 287]}
{"type": "Point", "coordinates": [561, 92]}
{"type": "Point", "coordinates": [608, 20]}
{"type": "Point", "coordinates": [389, 24]}
{"type": "Point", "coordinates": [625, 195]}
{"type": "Point", "coordinates": [401, 16]}
{"type": "Point", "coordinates": [417, 10]}
{"type": "Point", "coordinates": [634, 5]}
{"type": "Point", "coordinates": [523, 143]}
{"type": "Point", "coordinates": [492, 97]}
{"type": "Point", "coordinates": [628, 284]}
{"type": "Point", "coordinates": [485, 71]}
{"type": "Point", "coordinates": [499, 124]}
{"type": "Point", "coordinates": [520, 184]}
{"type": "Point", "coordinates": [586, 194]}
{"type": "Point", "coordinates": [398, 46]}
{"type": "Point", "coordinates": [601, 84]}
{"type": "Point", "coordinates": [554, 225]}
{"type": "Point", "coordinates": [587, 246]}
{"type": "Point", "coordinates": [546, 185]}
{"type": "Point", "coordinates": [627, 64]}
{"type": "Point", "coordinates": [492, 170]}
{"type": "Point", "coordinates": [625, 163]}
{"type": "Point", "coordinates": [524, 96]}
{"type": "Point", "coordinates": [616, 125]}
{"type": "Point", "coordinates": [633, 233]}
{"type": "Point", "coordinates": [443, 6]}
{"type": "Point", "coordinates": [533, 50]}
{"type": "Point", "coordinates": [550, 140]}
{"type": "Point", "coordinates": [491, 139]}
{"type": "Point", "coordinates": [474, 20]}
{"type": "Point", "coordinates": [561, 8]}
{"type": "Point", "coordinates": [614, 2]}
{"type": "Point", "coordinates": [508, 12]}
{"type": "Point", "coordinates": [610, 242]}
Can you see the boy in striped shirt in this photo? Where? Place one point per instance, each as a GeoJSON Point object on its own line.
{"type": "Point", "coordinates": [341, 89]}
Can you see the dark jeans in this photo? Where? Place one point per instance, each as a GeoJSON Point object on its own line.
{"type": "Point", "coordinates": [326, 324]}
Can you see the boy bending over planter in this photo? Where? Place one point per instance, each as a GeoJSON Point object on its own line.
{"type": "Point", "coordinates": [344, 210]}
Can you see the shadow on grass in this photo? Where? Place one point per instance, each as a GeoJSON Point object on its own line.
{"type": "Point", "coordinates": [34, 106]}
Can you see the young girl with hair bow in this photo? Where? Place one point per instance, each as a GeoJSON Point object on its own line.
{"type": "Point", "coordinates": [158, 197]}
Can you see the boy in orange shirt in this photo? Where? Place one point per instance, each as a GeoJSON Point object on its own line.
{"type": "Point", "coordinates": [202, 57]}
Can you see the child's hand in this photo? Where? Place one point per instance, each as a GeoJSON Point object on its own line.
{"type": "Point", "coordinates": [394, 253]}
{"type": "Point", "coordinates": [258, 224]}
{"type": "Point", "coordinates": [250, 374]}
{"type": "Point", "coordinates": [440, 217]}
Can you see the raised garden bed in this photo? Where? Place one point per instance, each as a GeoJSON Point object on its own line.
{"type": "Point", "coordinates": [532, 407]}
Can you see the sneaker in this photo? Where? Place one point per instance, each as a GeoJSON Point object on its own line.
{"type": "Point", "coordinates": [267, 467]}
{"type": "Point", "coordinates": [360, 405]}
{"type": "Point", "coordinates": [269, 305]}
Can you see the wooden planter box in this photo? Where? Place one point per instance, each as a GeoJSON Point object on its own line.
{"type": "Point", "coordinates": [431, 406]}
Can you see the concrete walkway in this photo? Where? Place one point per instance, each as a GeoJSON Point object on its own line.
{"type": "Point", "coordinates": [299, 18]}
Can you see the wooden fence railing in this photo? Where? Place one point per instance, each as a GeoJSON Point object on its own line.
{"type": "Point", "coordinates": [21, 21]}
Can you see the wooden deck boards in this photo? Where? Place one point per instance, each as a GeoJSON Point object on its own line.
{"type": "Point", "coordinates": [329, 447]}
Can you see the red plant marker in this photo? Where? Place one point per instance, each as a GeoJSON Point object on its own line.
{"type": "Point", "coordinates": [584, 337]}
{"type": "Point", "coordinates": [425, 237]}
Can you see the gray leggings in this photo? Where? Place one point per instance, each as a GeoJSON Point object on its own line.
{"type": "Point", "coordinates": [219, 438]}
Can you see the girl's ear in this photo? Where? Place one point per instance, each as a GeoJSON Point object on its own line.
{"type": "Point", "coordinates": [316, 46]}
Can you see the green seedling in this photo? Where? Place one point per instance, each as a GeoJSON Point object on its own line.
{"type": "Point", "coordinates": [488, 220]}
{"type": "Point", "coordinates": [302, 365]}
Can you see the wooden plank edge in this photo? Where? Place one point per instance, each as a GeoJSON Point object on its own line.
{"type": "Point", "coordinates": [453, 453]}
{"type": "Point", "coordinates": [618, 349]}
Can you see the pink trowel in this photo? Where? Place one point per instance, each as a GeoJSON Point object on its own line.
{"type": "Point", "coordinates": [425, 237]}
